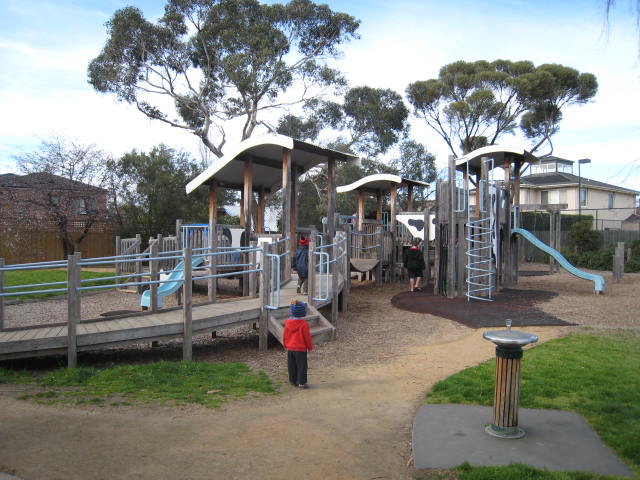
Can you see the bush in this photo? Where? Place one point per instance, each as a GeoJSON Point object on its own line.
{"type": "Point", "coordinates": [583, 238]}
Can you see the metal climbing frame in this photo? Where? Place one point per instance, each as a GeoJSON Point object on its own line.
{"type": "Point", "coordinates": [480, 236]}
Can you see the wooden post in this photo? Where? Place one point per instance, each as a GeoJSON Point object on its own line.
{"type": "Point", "coordinates": [425, 246]}
{"type": "Point", "coordinates": [263, 333]}
{"type": "Point", "coordinates": [153, 274]}
{"type": "Point", "coordinates": [294, 211]}
{"type": "Point", "coordinates": [73, 308]}
{"type": "Point", "coordinates": [286, 201]}
{"type": "Point", "coordinates": [437, 239]}
{"type": "Point", "coordinates": [138, 261]}
{"type": "Point", "coordinates": [451, 254]}
{"type": "Point", "coordinates": [1, 291]}
{"type": "Point", "coordinates": [380, 253]}
{"type": "Point", "coordinates": [311, 281]}
{"type": "Point", "coordinates": [179, 234]}
{"type": "Point", "coordinates": [253, 293]}
{"type": "Point", "coordinates": [378, 205]}
{"type": "Point", "coordinates": [392, 229]}
{"type": "Point", "coordinates": [260, 216]}
{"type": "Point", "coordinates": [187, 303]}
{"type": "Point", "coordinates": [213, 238]}
{"type": "Point", "coordinates": [361, 210]}
{"type": "Point", "coordinates": [618, 262]}
{"type": "Point", "coordinates": [118, 266]}
{"type": "Point", "coordinates": [349, 232]}
{"type": "Point", "coordinates": [409, 198]}
{"type": "Point", "coordinates": [334, 270]}
{"type": "Point", "coordinates": [331, 201]}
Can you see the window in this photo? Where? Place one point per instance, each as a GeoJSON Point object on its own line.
{"type": "Point", "coordinates": [583, 197]}
{"type": "Point", "coordinates": [83, 206]}
{"type": "Point", "coordinates": [544, 197]}
{"type": "Point", "coordinates": [553, 196]}
{"type": "Point", "coordinates": [611, 200]}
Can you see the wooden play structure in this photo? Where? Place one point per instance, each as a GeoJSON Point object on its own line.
{"type": "Point", "coordinates": [478, 225]}
{"type": "Point", "coordinates": [374, 248]}
{"type": "Point", "coordinates": [257, 167]}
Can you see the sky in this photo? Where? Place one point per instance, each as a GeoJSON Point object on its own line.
{"type": "Point", "coordinates": [46, 45]}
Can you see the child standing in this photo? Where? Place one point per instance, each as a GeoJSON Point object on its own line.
{"type": "Point", "coordinates": [414, 263]}
{"type": "Point", "coordinates": [297, 341]}
{"type": "Point", "coordinates": [301, 264]}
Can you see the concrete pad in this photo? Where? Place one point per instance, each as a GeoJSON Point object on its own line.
{"type": "Point", "coordinates": [445, 436]}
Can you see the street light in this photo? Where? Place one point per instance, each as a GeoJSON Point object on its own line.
{"type": "Point", "coordinates": [580, 162]}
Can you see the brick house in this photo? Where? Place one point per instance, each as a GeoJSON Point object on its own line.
{"type": "Point", "coordinates": [45, 217]}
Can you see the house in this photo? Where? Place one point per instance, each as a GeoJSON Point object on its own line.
{"type": "Point", "coordinates": [45, 216]}
{"type": "Point", "coordinates": [552, 181]}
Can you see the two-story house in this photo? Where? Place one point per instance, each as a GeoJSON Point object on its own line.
{"type": "Point", "coordinates": [552, 181]}
{"type": "Point", "coordinates": [45, 217]}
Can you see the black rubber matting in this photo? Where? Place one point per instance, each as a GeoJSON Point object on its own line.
{"type": "Point", "coordinates": [517, 305]}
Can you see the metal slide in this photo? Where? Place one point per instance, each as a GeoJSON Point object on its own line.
{"type": "Point", "coordinates": [173, 283]}
{"type": "Point", "coordinates": [597, 280]}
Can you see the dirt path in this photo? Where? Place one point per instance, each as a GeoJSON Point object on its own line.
{"type": "Point", "coordinates": [354, 423]}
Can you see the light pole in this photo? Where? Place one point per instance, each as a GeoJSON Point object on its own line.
{"type": "Point", "coordinates": [580, 162]}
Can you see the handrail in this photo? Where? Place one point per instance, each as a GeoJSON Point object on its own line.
{"type": "Point", "coordinates": [322, 271]}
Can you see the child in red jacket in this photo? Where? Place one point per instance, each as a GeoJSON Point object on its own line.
{"type": "Point", "coordinates": [297, 341]}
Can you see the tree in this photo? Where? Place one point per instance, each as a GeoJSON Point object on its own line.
{"type": "Point", "coordinates": [68, 176]}
{"type": "Point", "coordinates": [216, 60]}
{"type": "Point", "coordinates": [415, 163]}
{"type": "Point", "coordinates": [369, 120]}
{"type": "Point", "coordinates": [473, 104]}
{"type": "Point", "coordinates": [150, 193]}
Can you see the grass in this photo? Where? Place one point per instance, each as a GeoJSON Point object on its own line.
{"type": "Point", "coordinates": [514, 471]}
{"type": "Point", "coordinates": [207, 384]}
{"type": "Point", "coordinates": [597, 376]}
{"type": "Point", "coordinates": [30, 277]}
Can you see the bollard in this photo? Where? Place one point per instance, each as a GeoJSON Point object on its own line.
{"type": "Point", "coordinates": [509, 345]}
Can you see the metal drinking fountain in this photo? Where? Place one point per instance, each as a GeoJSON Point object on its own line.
{"type": "Point", "coordinates": [509, 345]}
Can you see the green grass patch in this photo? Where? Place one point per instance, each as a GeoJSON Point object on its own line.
{"type": "Point", "coordinates": [208, 384]}
{"type": "Point", "coordinates": [32, 277]}
{"type": "Point", "coordinates": [513, 471]}
{"type": "Point", "coordinates": [596, 376]}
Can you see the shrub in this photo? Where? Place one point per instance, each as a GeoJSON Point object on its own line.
{"type": "Point", "coordinates": [583, 238]}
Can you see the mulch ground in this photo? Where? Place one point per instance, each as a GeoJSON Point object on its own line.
{"type": "Point", "coordinates": [517, 305]}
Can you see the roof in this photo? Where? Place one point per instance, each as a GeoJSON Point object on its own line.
{"type": "Point", "coordinates": [265, 153]}
{"type": "Point", "coordinates": [496, 152]}
{"type": "Point", "coordinates": [558, 179]}
{"type": "Point", "coordinates": [380, 182]}
{"type": "Point", "coordinates": [45, 180]}
{"type": "Point", "coordinates": [633, 218]}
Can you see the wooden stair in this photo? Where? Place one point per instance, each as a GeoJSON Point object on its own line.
{"type": "Point", "coordinates": [321, 328]}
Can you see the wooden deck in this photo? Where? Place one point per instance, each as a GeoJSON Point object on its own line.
{"type": "Point", "coordinates": [140, 328]}
{"type": "Point", "coordinates": [146, 327]}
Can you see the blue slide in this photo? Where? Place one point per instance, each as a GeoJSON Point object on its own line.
{"type": "Point", "coordinates": [173, 283]}
{"type": "Point", "coordinates": [597, 280]}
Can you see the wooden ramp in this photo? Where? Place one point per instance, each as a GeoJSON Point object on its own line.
{"type": "Point", "coordinates": [321, 328]}
{"type": "Point", "coordinates": [141, 328]}
{"type": "Point", "coordinates": [363, 264]}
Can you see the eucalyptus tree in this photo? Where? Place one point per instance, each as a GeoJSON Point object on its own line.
{"type": "Point", "coordinates": [205, 62]}
{"type": "Point", "coordinates": [473, 104]}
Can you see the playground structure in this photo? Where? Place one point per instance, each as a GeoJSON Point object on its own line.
{"type": "Point", "coordinates": [478, 228]}
{"type": "Point", "coordinates": [262, 260]}
{"type": "Point", "coordinates": [374, 248]}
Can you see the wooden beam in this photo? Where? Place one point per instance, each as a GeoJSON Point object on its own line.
{"type": "Point", "coordinates": [260, 222]}
{"type": "Point", "coordinates": [187, 303]}
{"type": "Point", "coordinates": [248, 203]}
{"type": "Point", "coordinates": [213, 239]}
{"type": "Point", "coordinates": [410, 198]}
{"type": "Point", "coordinates": [378, 205]}
{"type": "Point", "coordinates": [392, 228]}
{"type": "Point", "coordinates": [360, 210]}
{"type": "Point", "coordinates": [73, 308]}
{"type": "Point", "coordinates": [331, 201]}
{"type": "Point", "coordinates": [286, 201]}
{"type": "Point", "coordinates": [294, 200]}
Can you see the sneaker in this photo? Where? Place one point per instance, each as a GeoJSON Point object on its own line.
{"type": "Point", "coordinates": [298, 290]}
{"type": "Point", "coordinates": [302, 385]}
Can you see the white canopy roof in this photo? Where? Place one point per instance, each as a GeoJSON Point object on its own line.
{"type": "Point", "coordinates": [265, 153]}
{"type": "Point", "coordinates": [379, 182]}
{"type": "Point", "coordinates": [497, 152]}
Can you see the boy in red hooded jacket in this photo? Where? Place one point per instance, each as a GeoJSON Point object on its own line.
{"type": "Point", "coordinates": [297, 341]}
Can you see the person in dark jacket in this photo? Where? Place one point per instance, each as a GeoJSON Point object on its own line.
{"type": "Point", "coordinates": [414, 263]}
{"type": "Point", "coordinates": [297, 340]}
{"type": "Point", "coordinates": [301, 264]}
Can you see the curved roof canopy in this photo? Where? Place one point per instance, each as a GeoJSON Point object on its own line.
{"type": "Point", "coordinates": [497, 152]}
{"type": "Point", "coordinates": [380, 182]}
{"type": "Point", "coordinates": [265, 152]}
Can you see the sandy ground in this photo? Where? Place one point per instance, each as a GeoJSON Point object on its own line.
{"type": "Point", "coordinates": [353, 423]}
